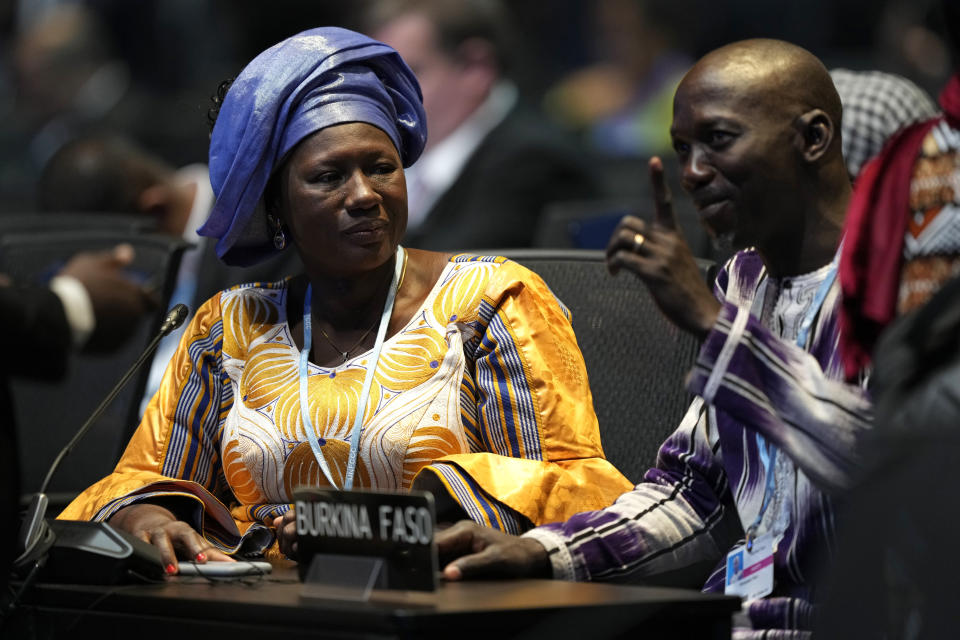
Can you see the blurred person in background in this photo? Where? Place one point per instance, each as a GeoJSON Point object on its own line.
{"type": "Point", "coordinates": [876, 105]}
{"type": "Point", "coordinates": [78, 67]}
{"type": "Point", "coordinates": [903, 231]}
{"type": "Point", "coordinates": [908, 40]}
{"type": "Point", "coordinates": [623, 103]}
{"type": "Point", "coordinates": [492, 161]}
{"type": "Point", "coordinates": [89, 304]}
{"type": "Point", "coordinates": [65, 78]}
{"type": "Point", "coordinates": [900, 272]}
{"type": "Point", "coordinates": [620, 105]}
{"type": "Point", "coordinates": [108, 173]}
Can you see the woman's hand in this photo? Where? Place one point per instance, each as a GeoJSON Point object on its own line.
{"type": "Point", "coordinates": [174, 538]}
{"type": "Point", "coordinates": [286, 526]}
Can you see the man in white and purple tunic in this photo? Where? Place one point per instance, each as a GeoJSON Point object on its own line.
{"type": "Point", "coordinates": [773, 432]}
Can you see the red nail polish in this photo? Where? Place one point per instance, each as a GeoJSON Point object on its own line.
{"type": "Point", "coordinates": [201, 557]}
{"type": "Point", "coordinates": [171, 569]}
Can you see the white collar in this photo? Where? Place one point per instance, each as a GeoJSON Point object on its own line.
{"type": "Point", "coordinates": [439, 166]}
{"type": "Point", "coordinates": [198, 174]}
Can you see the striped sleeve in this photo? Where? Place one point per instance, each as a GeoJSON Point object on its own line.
{"type": "Point", "coordinates": [205, 396]}
{"type": "Point", "coordinates": [784, 393]}
{"type": "Point", "coordinates": [535, 454]}
{"type": "Point", "coordinates": [505, 404]}
{"type": "Point", "coordinates": [480, 506]}
{"type": "Point", "coordinates": [678, 522]}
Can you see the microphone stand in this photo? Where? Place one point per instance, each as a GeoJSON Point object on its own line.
{"type": "Point", "coordinates": [36, 536]}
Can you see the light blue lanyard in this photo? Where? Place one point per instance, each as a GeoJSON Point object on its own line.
{"type": "Point", "coordinates": [768, 452]}
{"type": "Point", "coordinates": [316, 441]}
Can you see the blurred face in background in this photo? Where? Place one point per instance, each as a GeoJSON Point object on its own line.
{"type": "Point", "coordinates": [53, 59]}
{"type": "Point", "coordinates": [454, 84]}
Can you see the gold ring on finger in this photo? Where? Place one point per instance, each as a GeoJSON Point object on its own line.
{"type": "Point", "coordinates": [638, 241]}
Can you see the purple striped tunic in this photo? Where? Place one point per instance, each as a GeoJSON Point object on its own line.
{"type": "Point", "coordinates": [708, 484]}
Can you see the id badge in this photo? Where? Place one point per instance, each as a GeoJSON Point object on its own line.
{"type": "Point", "coordinates": [750, 573]}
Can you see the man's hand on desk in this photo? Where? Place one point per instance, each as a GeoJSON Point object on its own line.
{"type": "Point", "coordinates": [485, 553]}
{"type": "Point", "coordinates": [174, 538]}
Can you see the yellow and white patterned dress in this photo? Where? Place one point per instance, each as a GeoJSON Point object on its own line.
{"type": "Point", "coordinates": [485, 387]}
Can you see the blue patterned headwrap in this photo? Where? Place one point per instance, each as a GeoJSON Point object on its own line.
{"type": "Point", "coordinates": [315, 79]}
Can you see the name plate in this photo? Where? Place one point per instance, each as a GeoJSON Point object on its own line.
{"type": "Point", "coordinates": [395, 527]}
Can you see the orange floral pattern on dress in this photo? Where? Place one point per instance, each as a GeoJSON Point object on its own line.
{"type": "Point", "coordinates": [250, 317]}
{"type": "Point", "coordinates": [303, 470]}
{"type": "Point", "coordinates": [420, 368]}
{"type": "Point", "coordinates": [426, 445]}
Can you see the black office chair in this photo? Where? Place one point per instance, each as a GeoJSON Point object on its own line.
{"type": "Point", "coordinates": [49, 414]}
{"type": "Point", "coordinates": [587, 224]}
{"type": "Point", "coordinates": [636, 359]}
{"type": "Point", "coordinates": [582, 224]}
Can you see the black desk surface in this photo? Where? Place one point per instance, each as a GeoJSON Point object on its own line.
{"type": "Point", "coordinates": [194, 607]}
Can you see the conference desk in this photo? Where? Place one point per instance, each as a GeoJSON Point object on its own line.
{"type": "Point", "coordinates": [272, 606]}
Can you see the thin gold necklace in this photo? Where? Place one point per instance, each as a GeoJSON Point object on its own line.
{"type": "Point", "coordinates": [345, 354]}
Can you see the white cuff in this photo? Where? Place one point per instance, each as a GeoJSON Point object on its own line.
{"type": "Point", "coordinates": [77, 307]}
{"type": "Point", "coordinates": [561, 560]}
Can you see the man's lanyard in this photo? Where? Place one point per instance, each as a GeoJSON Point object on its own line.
{"type": "Point", "coordinates": [768, 452]}
{"type": "Point", "coordinates": [316, 441]}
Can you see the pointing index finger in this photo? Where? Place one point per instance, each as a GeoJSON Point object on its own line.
{"type": "Point", "coordinates": [662, 198]}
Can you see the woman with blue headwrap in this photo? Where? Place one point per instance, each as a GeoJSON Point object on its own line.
{"type": "Point", "coordinates": [378, 367]}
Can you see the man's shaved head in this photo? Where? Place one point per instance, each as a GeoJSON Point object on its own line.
{"type": "Point", "coordinates": [780, 74]}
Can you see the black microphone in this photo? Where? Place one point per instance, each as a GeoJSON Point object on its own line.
{"type": "Point", "coordinates": [174, 319]}
{"type": "Point", "coordinates": [37, 535]}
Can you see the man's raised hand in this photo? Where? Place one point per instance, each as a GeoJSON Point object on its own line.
{"type": "Point", "coordinates": [659, 255]}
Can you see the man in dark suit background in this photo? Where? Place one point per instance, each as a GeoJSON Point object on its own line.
{"type": "Point", "coordinates": [90, 304]}
{"type": "Point", "coordinates": [107, 172]}
{"type": "Point", "coordinates": [492, 163]}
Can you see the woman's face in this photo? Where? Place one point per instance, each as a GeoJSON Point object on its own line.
{"type": "Point", "coordinates": [343, 197]}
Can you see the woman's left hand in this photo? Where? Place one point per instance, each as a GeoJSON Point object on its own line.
{"type": "Point", "coordinates": [286, 526]}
